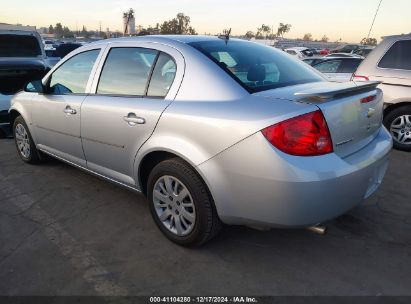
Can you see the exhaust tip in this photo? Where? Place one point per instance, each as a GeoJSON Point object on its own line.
{"type": "Point", "coordinates": [317, 229]}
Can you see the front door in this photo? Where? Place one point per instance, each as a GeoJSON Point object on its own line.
{"type": "Point", "coordinates": [130, 96]}
{"type": "Point", "coordinates": [56, 114]}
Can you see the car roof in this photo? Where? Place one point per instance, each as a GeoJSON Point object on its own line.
{"type": "Point", "coordinates": [402, 36]}
{"type": "Point", "coordinates": [170, 39]}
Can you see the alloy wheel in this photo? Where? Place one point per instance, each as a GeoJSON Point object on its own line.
{"type": "Point", "coordinates": [400, 129]}
{"type": "Point", "coordinates": [22, 140]}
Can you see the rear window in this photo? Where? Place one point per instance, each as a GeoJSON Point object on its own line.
{"type": "Point", "coordinates": [19, 46]}
{"type": "Point", "coordinates": [350, 65]}
{"type": "Point", "coordinates": [398, 56]}
{"type": "Point", "coordinates": [256, 67]}
{"type": "Point", "coordinates": [331, 66]}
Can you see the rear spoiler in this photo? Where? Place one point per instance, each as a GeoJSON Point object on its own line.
{"type": "Point", "coordinates": [350, 89]}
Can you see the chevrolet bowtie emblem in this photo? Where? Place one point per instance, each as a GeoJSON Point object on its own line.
{"type": "Point", "coordinates": [370, 112]}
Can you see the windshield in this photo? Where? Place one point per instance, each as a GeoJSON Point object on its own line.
{"type": "Point", "coordinates": [256, 67]}
{"type": "Point", "coordinates": [19, 46]}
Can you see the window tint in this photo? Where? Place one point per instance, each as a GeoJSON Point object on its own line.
{"type": "Point", "coordinates": [350, 65]}
{"type": "Point", "coordinates": [256, 67]}
{"type": "Point", "coordinates": [19, 46]}
{"type": "Point", "coordinates": [126, 71]}
{"type": "Point", "coordinates": [72, 76]}
{"type": "Point", "coordinates": [291, 52]}
{"type": "Point", "coordinates": [308, 61]}
{"type": "Point", "coordinates": [398, 56]}
{"type": "Point", "coordinates": [163, 76]}
{"type": "Point", "coordinates": [330, 66]}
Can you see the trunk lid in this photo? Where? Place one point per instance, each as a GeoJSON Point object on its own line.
{"type": "Point", "coordinates": [352, 123]}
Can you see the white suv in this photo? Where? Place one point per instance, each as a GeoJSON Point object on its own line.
{"type": "Point", "coordinates": [390, 63]}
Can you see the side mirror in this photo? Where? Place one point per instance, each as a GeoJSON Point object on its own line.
{"type": "Point", "coordinates": [35, 86]}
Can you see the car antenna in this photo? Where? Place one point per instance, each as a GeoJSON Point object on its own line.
{"type": "Point", "coordinates": [226, 35]}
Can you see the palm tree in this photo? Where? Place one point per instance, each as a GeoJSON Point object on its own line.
{"type": "Point", "coordinates": [128, 15]}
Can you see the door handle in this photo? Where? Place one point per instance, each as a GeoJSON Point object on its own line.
{"type": "Point", "coordinates": [132, 119]}
{"type": "Point", "coordinates": [69, 111]}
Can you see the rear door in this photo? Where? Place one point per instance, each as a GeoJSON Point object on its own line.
{"type": "Point", "coordinates": [56, 114]}
{"type": "Point", "coordinates": [135, 84]}
{"type": "Point", "coordinates": [394, 70]}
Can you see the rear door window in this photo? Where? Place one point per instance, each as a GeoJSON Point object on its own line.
{"type": "Point", "coordinates": [126, 71]}
{"type": "Point", "coordinates": [163, 76]}
{"type": "Point", "coordinates": [398, 56]}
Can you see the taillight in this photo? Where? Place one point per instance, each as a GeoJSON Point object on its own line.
{"type": "Point", "coordinates": [368, 99]}
{"type": "Point", "coordinates": [359, 78]}
{"type": "Point", "coordinates": [305, 135]}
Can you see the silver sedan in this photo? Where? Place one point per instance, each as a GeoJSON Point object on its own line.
{"type": "Point", "coordinates": [212, 130]}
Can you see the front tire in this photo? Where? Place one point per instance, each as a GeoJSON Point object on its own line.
{"type": "Point", "coordinates": [24, 142]}
{"type": "Point", "coordinates": [181, 205]}
{"type": "Point", "coordinates": [398, 122]}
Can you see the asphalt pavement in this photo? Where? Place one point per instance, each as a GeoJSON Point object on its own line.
{"type": "Point", "coordinates": [65, 232]}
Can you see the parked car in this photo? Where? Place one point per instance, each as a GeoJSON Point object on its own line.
{"type": "Point", "coordinates": [52, 57]}
{"type": "Point", "coordinates": [324, 52]}
{"type": "Point", "coordinates": [63, 49]}
{"type": "Point", "coordinates": [299, 52]}
{"type": "Point", "coordinates": [340, 69]}
{"type": "Point", "coordinates": [22, 59]}
{"type": "Point", "coordinates": [347, 48]}
{"type": "Point", "coordinates": [364, 52]}
{"type": "Point", "coordinates": [314, 51]}
{"type": "Point", "coordinates": [390, 63]}
{"type": "Point", "coordinates": [210, 129]}
{"type": "Point", "coordinates": [350, 55]}
{"type": "Point", "coordinates": [313, 60]}
{"type": "Point", "coordinates": [50, 44]}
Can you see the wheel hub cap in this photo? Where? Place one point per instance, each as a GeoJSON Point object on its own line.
{"type": "Point", "coordinates": [174, 205]}
{"type": "Point", "coordinates": [22, 140]}
{"type": "Point", "coordinates": [401, 129]}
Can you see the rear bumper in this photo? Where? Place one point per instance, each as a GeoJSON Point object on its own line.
{"type": "Point", "coordinates": [252, 183]}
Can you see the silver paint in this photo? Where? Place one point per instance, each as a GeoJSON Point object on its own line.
{"type": "Point", "coordinates": [214, 124]}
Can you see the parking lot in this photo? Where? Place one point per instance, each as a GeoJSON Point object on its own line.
{"type": "Point", "coordinates": [65, 232]}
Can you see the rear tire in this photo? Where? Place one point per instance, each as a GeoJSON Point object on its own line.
{"type": "Point", "coordinates": [398, 123]}
{"type": "Point", "coordinates": [24, 142]}
{"type": "Point", "coordinates": [181, 204]}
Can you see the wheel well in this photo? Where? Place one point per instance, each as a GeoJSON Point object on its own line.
{"type": "Point", "coordinates": [13, 115]}
{"type": "Point", "coordinates": [394, 106]}
{"type": "Point", "coordinates": [148, 163]}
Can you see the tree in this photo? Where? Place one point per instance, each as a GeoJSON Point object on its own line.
{"type": "Point", "coordinates": [264, 29]}
{"type": "Point", "coordinates": [128, 15]}
{"type": "Point", "coordinates": [249, 35]}
{"type": "Point", "coordinates": [51, 29]}
{"type": "Point", "coordinates": [67, 33]}
{"type": "Point", "coordinates": [84, 32]}
{"type": "Point", "coordinates": [179, 25]}
{"type": "Point", "coordinates": [283, 28]}
{"type": "Point", "coordinates": [308, 37]}
{"type": "Point", "coordinates": [369, 41]}
{"type": "Point", "coordinates": [325, 39]}
{"type": "Point", "coordinates": [58, 30]}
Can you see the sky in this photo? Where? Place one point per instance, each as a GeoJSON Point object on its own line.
{"type": "Point", "coordinates": [349, 20]}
